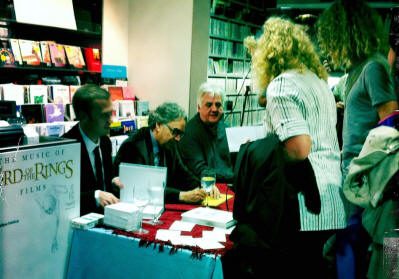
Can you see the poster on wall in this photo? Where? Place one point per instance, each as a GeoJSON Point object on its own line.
{"type": "Point", "coordinates": [39, 195]}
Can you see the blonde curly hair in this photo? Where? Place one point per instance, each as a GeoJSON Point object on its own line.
{"type": "Point", "coordinates": [283, 46]}
{"type": "Point", "coordinates": [349, 32]}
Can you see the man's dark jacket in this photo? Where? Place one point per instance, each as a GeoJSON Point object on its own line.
{"type": "Point", "coordinates": [138, 149]}
{"type": "Point", "coordinates": [202, 144]}
{"type": "Point", "coordinates": [267, 210]}
{"type": "Point", "coordinates": [88, 181]}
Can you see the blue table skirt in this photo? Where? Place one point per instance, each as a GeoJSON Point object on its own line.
{"type": "Point", "coordinates": [97, 253]}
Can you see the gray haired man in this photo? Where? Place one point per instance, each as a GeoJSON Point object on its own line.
{"type": "Point", "coordinates": [204, 145]}
{"type": "Point", "coordinates": [156, 146]}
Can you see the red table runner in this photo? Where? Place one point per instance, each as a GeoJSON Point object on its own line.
{"type": "Point", "coordinates": [173, 213]}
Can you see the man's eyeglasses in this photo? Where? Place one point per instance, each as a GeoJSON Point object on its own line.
{"type": "Point", "coordinates": [175, 131]}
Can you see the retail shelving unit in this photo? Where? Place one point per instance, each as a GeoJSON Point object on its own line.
{"type": "Point", "coordinates": [228, 61]}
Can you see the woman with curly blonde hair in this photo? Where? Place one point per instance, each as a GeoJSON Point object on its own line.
{"type": "Point", "coordinates": [351, 34]}
{"type": "Point", "coordinates": [300, 110]}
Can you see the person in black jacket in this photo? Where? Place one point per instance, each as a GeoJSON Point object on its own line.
{"type": "Point", "coordinates": [93, 108]}
{"type": "Point", "coordinates": [204, 145]}
{"type": "Point", "coordinates": [156, 146]}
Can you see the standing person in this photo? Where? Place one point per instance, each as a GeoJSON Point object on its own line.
{"type": "Point", "coordinates": [351, 34]}
{"type": "Point", "coordinates": [300, 110]}
{"type": "Point", "coordinates": [204, 145]}
{"type": "Point", "coordinates": [156, 145]}
{"type": "Point", "coordinates": [93, 107]}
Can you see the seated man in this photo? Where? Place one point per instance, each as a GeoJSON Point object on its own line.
{"type": "Point", "coordinates": [156, 146]}
{"type": "Point", "coordinates": [204, 145]}
{"type": "Point", "coordinates": [93, 108]}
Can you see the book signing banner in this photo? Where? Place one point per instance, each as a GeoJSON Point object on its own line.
{"type": "Point", "coordinates": [39, 195]}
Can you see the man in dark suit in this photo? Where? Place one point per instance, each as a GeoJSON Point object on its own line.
{"type": "Point", "coordinates": [156, 146]}
{"type": "Point", "coordinates": [93, 108]}
{"type": "Point", "coordinates": [204, 145]}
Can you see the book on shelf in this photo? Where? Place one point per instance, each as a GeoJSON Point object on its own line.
{"type": "Point", "coordinates": [59, 94]}
{"type": "Point", "coordinates": [54, 112]}
{"type": "Point", "coordinates": [142, 108]}
{"type": "Point", "coordinates": [115, 92]}
{"type": "Point", "coordinates": [7, 58]}
{"type": "Point", "coordinates": [5, 32]}
{"type": "Point", "coordinates": [209, 217]}
{"type": "Point", "coordinates": [124, 127]}
{"type": "Point", "coordinates": [69, 113]}
{"type": "Point", "coordinates": [55, 130]}
{"type": "Point", "coordinates": [93, 59]}
{"type": "Point", "coordinates": [57, 54]}
{"type": "Point", "coordinates": [128, 126]}
{"type": "Point", "coordinates": [30, 52]}
{"type": "Point", "coordinates": [126, 108]}
{"type": "Point", "coordinates": [38, 94]}
{"type": "Point", "coordinates": [75, 56]}
{"type": "Point", "coordinates": [45, 50]}
{"type": "Point", "coordinates": [12, 92]}
{"type": "Point", "coordinates": [128, 93]}
{"type": "Point", "coordinates": [72, 91]}
{"type": "Point", "coordinates": [16, 50]}
{"type": "Point", "coordinates": [115, 110]}
{"type": "Point", "coordinates": [33, 113]}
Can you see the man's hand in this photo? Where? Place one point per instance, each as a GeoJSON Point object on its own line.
{"type": "Point", "coordinates": [193, 196]}
{"type": "Point", "coordinates": [116, 181]}
{"type": "Point", "coordinates": [106, 198]}
{"type": "Point", "coordinates": [215, 193]}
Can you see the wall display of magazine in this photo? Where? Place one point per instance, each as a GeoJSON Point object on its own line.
{"type": "Point", "coordinates": [29, 45]}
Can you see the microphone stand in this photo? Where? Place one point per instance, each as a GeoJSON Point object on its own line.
{"type": "Point", "coordinates": [246, 95]}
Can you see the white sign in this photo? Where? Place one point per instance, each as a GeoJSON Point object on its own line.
{"type": "Point", "coordinates": [39, 196]}
{"type": "Point", "coordinates": [240, 135]}
{"type": "Point", "coordinates": [46, 12]}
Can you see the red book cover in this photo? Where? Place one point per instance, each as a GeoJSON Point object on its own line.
{"type": "Point", "coordinates": [128, 93]}
{"type": "Point", "coordinates": [93, 59]}
{"type": "Point", "coordinates": [115, 92]}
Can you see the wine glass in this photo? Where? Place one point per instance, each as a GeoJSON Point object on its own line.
{"type": "Point", "coordinates": [140, 199]}
{"type": "Point", "coordinates": [156, 194]}
{"type": "Point", "coordinates": [208, 180]}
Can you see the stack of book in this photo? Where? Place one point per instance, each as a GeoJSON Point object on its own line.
{"type": "Point", "coordinates": [122, 215]}
{"type": "Point", "coordinates": [209, 217]}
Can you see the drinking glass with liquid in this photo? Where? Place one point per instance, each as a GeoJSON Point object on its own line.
{"type": "Point", "coordinates": [208, 180]}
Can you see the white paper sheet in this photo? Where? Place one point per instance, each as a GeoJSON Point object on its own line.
{"type": "Point", "coordinates": [239, 135]}
{"type": "Point", "coordinates": [206, 244]}
{"type": "Point", "coordinates": [166, 235]}
{"type": "Point", "coordinates": [182, 226]}
{"type": "Point", "coordinates": [186, 240]}
{"type": "Point", "coordinates": [214, 235]}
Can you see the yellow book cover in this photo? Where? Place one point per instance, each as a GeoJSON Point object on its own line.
{"type": "Point", "coordinates": [217, 202]}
